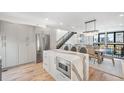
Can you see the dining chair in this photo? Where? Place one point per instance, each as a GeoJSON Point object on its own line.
{"type": "Point", "coordinates": [83, 50]}
{"type": "Point", "coordinates": [92, 54]}
{"type": "Point", "coordinates": [74, 49]}
{"type": "Point", "coordinates": [66, 47]}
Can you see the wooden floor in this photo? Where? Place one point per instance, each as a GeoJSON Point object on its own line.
{"type": "Point", "coordinates": [35, 72]}
{"type": "Point", "coordinates": [27, 72]}
{"type": "Point", "coordinates": [97, 75]}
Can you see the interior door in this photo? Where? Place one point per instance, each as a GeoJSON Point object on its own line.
{"type": "Point", "coordinates": [11, 44]}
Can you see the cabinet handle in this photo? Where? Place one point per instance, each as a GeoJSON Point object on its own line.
{"type": "Point", "coordinates": [2, 41]}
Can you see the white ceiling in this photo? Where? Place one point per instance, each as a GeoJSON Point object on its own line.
{"type": "Point", "coordinates": [72, 21]}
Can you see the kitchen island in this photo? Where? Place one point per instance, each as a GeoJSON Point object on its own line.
{"type": "Point", "coordinates": [66, 65]}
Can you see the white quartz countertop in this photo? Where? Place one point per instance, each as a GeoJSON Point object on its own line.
{"type": "Point", "coordinates": [67, 52]}
{"type": "Point", "coordinates": [69, 55]}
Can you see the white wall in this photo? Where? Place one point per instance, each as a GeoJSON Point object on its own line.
{"type": "Point", "coordinates": [60, 33]}
{"type": "Point", "coordinates": [52, 38]}
{"type": "Point", "coordinates": [73, 40]}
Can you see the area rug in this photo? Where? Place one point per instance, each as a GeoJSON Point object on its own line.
{"type": "Point", "coordinates": [107, 66]}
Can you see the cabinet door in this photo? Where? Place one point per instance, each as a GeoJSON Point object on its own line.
{"type": "Point", "coordinates": [26, 44]}
{"type": "Point", "coordinates": [11, 44]}
{"type": "Point", "coordinates": [31, 46]}
{"type": "Point", "coordinates": [46, 60]}
{"type": "Point", "coordinates": [52, 64]}
{"type": "Point", "coordinates": [2, 44]}
{"type": "Point", "coordinates": [22, 44]}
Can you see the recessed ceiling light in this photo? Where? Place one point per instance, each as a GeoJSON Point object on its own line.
{"type": "Point", "coordinates": [121, 24]}
{"type": "Point", "coordinates": [46, 19]}
{"type": "Point", "coordinates": [72, 27]}
{"type": "Point", "coordinates": [121, 15]}
{"type": "Point", "coordinates": [61, 23]}
{"type": "Point", "coordinates": [43, 26]}
{"type": "Point", "coordinates": [58, 30]}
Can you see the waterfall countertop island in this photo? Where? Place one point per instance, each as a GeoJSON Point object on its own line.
{"type": "Point", "coordinates": [66, 65]}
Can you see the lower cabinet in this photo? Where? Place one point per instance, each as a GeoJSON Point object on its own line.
{"type": "Point", "coordinates": [49, 63]}
{"type": "Point", "coordinates": [52, 65]}
{"type": "Point", "coordinates": [46, 60]}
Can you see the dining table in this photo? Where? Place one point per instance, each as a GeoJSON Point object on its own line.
{"type": "Point", "coordinates": [100, 53]}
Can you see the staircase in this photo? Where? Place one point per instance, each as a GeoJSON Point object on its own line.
{"type": "Point", "coordinates": [64, 38]}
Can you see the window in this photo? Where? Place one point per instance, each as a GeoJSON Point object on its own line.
{"type": "Point", "coordinates": [110, 37]}
{"type": "Point", "coordinates": [95, 38]}
{"type": "Point", "coordinates": [118, 49]}
{"type": "Point", "coordinates": [102, 38]}
{"type": "Point", "coordinates": [102, 46]}
{"type": "Point", "coordinates": [119, 37]}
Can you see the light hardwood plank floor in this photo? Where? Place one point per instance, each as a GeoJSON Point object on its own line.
{"type": "Point", "coordinates": [27, 72]}
{"type": "Point", "coordinates": [35, 72]}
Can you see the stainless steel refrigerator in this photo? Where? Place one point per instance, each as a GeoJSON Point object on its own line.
{"type": "Point", "coordinates": [42, 43]}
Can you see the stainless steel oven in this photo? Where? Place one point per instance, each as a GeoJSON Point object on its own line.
{"type": "Point", "coordinates": [63, 66]}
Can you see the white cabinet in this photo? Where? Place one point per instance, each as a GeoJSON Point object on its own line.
{"type": "Point", "coordinates": [46, 60]}
{"type": "Point", "coordinates": [26, 44]}
{"type": "Point", "coordinates": [73, 62]}
{"type": "Point", "coordinates": [49, 63]}
{"type": "Point", "coordinates": [11, 44]}
{"type": "Point", "coordinates": [52, 64]}
{"type": "Point", "coordinates": [31, 50]}
{"type": "Point", "coordinates": [2, 44]}
{"type": "Point", "coordinates": [17, 44]}
{"type": "Point", "coordinates": [22, 44]}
